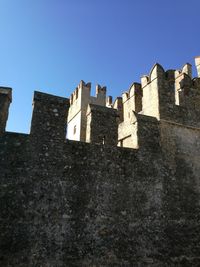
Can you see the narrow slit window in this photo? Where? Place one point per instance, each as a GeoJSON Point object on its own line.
{"type": "Point", "coordinates": [74, 129]}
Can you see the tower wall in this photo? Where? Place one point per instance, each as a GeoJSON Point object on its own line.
{"type": "Point", "coordinates": [102, 125]}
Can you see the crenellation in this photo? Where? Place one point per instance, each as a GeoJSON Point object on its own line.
{"type": "Point", "coordinates": [100, 90]}
{"type": "Point", "coordinates": [161, 94]}
{"type": "Point", "coordinates": [187, 69]}
{"type": "Point", "coordinates": [100, 95]}
{"type": "Point", "coordinates": [157, 72]}
{"type": "Point", "coordinates": [170, 95]}
{"type": "Point", "coordinates": [144, 80]}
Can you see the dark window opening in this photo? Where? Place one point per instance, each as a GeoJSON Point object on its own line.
{"type": "Point", "coordinates": [75, 129]}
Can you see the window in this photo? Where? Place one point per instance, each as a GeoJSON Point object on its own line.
{"type": "Point", "coordinates": [104, 138]}
{"type": "Point", "coordinates": [74, 129]}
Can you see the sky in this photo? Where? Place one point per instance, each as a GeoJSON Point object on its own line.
{"type": "Point", "coordinates": [50, 45]}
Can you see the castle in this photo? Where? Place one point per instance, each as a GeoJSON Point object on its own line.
{"type": "Point", "coordinates": [123, 189]}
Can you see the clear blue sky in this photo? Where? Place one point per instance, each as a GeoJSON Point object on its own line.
{"type": "Point", "coordinates": [50, 45]}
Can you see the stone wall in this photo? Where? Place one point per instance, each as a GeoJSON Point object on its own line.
{"type": "Point", "coordinates": [80, 204]}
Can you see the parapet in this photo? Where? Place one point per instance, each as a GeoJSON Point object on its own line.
{"type": "Point", "coordinates": [170, 95]}
{"type": "Point", "coordinates": [100, 90]}
{"type": "Point", "coordinates": [167, 93]}
{"type": "Point", "coordinates": [78, 91]}
{"type": "Point", "coordinates": [82, 94]}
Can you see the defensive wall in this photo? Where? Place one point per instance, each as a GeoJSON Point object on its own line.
{"type": "Point", "coordinates": [70, 203]}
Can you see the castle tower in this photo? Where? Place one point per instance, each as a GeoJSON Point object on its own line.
{"type": "Point", "coordinates": [5, 100]}
{"type": "Point", "coordinates": [80, 98]}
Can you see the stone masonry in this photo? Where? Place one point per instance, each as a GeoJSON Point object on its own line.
{"type": "Point", "coordinates": [123, 189]}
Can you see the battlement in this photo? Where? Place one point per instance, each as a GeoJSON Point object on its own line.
{"type": "Point", "coordinates": [77, 92]}
{"type": "Point", "coordinates": [171, 95]}
{"type": "Point", "coordinates": [167, 93]}
{"type": "Point", "coordinates": [84, 90]}
{"type": "Point", "coordinates": [100, 90]}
